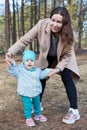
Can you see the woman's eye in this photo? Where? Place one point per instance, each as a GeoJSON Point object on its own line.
{"type": "Point", "coordinates": [59, 21]}
{"type": "Point", "coordinates": [53, 20]}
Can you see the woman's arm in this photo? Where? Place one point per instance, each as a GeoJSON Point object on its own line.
{"type": "Point", "coordinates": [65, 57]}
{"type": "Point", "coordinates": [64, 60]}
{"type": "Point", "coordinates": [24, 41]}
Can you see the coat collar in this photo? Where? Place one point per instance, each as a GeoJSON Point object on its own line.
{"type": "Point", "coordinates": [47, 28]}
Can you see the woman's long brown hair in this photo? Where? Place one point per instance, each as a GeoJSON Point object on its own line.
{"type": "Point", "coordinates": [66, 31]}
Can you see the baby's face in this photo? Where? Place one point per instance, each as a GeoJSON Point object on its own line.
{"type": "Point", "coordinates": [29, 64]}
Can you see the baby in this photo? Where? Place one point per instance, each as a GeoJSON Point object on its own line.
{"type": "Point", "coordinates": [29, 85]}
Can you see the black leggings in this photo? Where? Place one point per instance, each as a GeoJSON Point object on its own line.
{"type": "Point", "coordinates": [68, 83]}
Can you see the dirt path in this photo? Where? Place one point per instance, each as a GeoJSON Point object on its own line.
{"type": "Point", "coordinates": [54, 101]}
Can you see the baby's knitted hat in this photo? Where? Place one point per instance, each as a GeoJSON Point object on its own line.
{"type": "Point", "coordinates": [29, 55]}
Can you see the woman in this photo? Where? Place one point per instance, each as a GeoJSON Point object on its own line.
{"type": "Point", "coordinates": [55, 37]}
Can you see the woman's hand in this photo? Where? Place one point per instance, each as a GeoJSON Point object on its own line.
{"type": "Point", "coordinates": [8, 54]}
{"type": "Point", "coordinates": [8, 58]}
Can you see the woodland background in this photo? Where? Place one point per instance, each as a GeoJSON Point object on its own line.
{"type": "Point", "coordinates": [16, 18]}
{"type": "Point", "coordinates": [19, 16]}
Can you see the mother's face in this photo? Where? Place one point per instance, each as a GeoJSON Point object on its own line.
{"type": "Point", "coordinates": [56, 23]}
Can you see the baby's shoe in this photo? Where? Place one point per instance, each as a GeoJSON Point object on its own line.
{"type": "Point", "coordinates": [41, 118]}
{"type": "Point", "coordinates": [30, 122]}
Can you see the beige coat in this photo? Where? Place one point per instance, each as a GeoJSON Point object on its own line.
{"type": "Point", "coordinates": [65, 53]}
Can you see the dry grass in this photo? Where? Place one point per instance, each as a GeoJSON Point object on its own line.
{"type": "Point", "coordinates": [54, 101]}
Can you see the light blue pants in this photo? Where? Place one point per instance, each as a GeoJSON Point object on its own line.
{"type": "Point", "coordinates": [28, 103]}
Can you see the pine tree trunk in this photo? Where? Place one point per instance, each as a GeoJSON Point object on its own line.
{"type": "Point", "coordinates": [7, 25]}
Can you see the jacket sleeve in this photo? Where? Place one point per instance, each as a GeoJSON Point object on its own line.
{"type": "Point", "coordinates": [13, 70]}
{"type": "Point", "coordinates": [25, 40]}
{"type": "Point", "coordinates": [65, 57]}
{"type": "Point", "coordinates": [44, 73]}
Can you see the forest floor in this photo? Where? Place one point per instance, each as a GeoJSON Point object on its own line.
{"type": "Point", "coordinates": [55, 101]}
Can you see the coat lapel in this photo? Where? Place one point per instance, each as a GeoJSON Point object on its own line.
{"type": "Point", "coordinates": [47, 36]}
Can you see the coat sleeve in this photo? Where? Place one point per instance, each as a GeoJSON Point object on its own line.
{"type": "Point", "coordinates": [44, 73]}
{"type": "Point", "coordinates": [65, 57]}
{"type": "Point", "coordinates": [25, 40]}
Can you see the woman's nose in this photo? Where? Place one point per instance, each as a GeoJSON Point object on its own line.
{"type": "Point", "coordinates": [55, 24]}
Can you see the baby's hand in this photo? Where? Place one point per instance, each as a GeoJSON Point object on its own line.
{"type": "Point", "coordinates": [9, 62]}
{"type": "Point", "coordinates": [53, 71]}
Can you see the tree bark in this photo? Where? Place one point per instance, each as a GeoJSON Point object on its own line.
{"type": "Point", "coordinates": [7, 26]}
